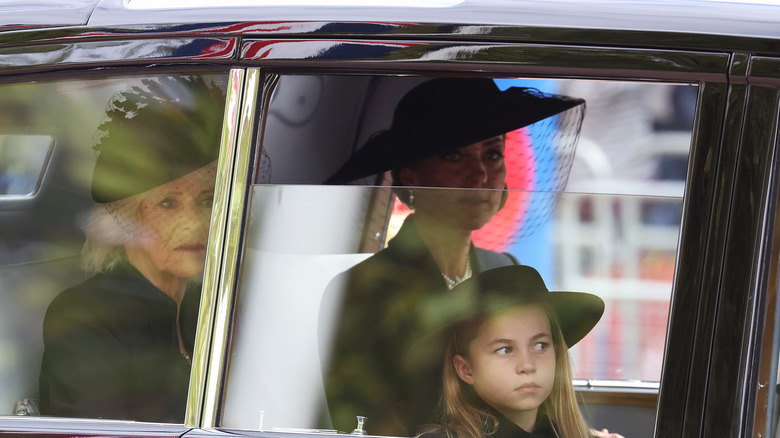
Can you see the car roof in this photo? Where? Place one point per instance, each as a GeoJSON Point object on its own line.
{"type": "Point", "coordinates": [721, 25]}
{"type": "Point", "coordinates": [20, 14]}
{"type": "Point", "coordinates": [733, 17]}
{"type": "Point", "coordinates": [757, 18]}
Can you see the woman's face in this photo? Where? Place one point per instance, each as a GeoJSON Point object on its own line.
{"type": "Point", "coordinates": [173, 226]}
{"type": "Point", "coordinates": [477, 170]}
{"type": "Point", "coordinates": [511, 362]}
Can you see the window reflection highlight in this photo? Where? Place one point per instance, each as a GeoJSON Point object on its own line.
{"type": "Point", "coordinates": [302, 239]}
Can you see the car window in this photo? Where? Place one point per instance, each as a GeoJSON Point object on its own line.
{"type": "Point", "coordinates": [24, 160]}
{"type": "Point", "coordinates": [342, 273]}
{"type": "Point", "coordinates": [106, 197]}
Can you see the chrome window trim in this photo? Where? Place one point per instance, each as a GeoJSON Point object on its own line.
{"type": "Point", "coordinates": [68, 427]}
{"type": "Point", "coordinates": [616, 385]}
{"type": "Point", "coordinates": [217, 229]}
{"type": "Point", "coordinates": [218, 355]}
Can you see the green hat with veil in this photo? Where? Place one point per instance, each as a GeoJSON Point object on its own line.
{"type": "Point", "coordinates": [154, 133]}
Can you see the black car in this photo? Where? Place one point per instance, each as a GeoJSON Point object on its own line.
{"type": "Point", "coordinates": [654, 186]}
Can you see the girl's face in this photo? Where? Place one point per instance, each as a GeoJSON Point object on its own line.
{"type": "Point", "coordinates": [477, 166]}
{"type": "Point", "coordinates": [173, 226]}
{"type": "Point", "coordinates": [511, 363]}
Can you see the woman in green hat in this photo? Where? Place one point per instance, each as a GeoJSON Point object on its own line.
{"type": "Point", "coordinates": [119, 344]}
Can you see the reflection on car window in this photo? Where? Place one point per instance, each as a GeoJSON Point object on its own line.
{"type": "Point", "coordinates": [23, 160]}
{"type": "Point", "coordinates": [106, 268]}
{"type": "Point", "coordinates": [439, 208]}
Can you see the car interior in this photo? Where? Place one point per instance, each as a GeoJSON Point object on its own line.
{"type": "Point", "coordinates": [610, 228]}
{"type": "Point", "coordinates": [568, 234]}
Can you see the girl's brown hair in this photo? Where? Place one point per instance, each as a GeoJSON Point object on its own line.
{"type": "Point", "coordinates": [465, 415]}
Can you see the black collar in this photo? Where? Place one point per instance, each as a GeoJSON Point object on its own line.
{"type": "Point", "coordinates": [508, 429]}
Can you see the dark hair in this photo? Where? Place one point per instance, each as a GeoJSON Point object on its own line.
{"type": "Point", "coordinates": [401, 192]}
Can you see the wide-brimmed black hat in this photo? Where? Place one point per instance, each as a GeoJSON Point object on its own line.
{"type": "Point", "coordinates": [445, 114]}
{"type": "Point", "coordinates": [156, 133]}
{"type": "Point", "coordinates": [495, 290]}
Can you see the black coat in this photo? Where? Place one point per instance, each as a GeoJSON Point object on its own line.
{"type": "Point", "coordinates": [508, 429]}
{"type": "Point", "coordinates": [111, 350]}
{"type": "Point", "coordinates": [381, 306]}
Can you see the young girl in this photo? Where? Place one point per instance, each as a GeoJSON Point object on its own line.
{"type": "Point", "coordinates": [506, 369]}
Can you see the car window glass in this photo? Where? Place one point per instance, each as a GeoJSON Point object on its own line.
{"type": "Point", "coordinates": [593, 204]}
{"type": "Point", "coordinates": [95, 167]}
{"type": "Point", "coordinates": [23, 160]}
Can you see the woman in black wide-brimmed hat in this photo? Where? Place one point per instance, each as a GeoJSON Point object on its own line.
{"type": "Point", "coordinates": [119, 344]}
{"type": "Point", "coordinates": [445, 152]}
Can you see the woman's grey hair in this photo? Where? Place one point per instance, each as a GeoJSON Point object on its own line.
{"type": "Point", "coordinates": [109, 227]}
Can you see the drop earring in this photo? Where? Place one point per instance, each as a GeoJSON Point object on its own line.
{"type": "Point", "coordinates": [411, 199]}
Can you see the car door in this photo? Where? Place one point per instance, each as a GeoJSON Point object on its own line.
{"type": "Point", "coordinates": [56, 97]}
{"type": "Point", "coordinates": [740, 395]}
{"type": "Point", "coordinates": [283, 263]}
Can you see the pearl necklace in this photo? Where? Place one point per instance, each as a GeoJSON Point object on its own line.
{"type": "Point", "coordinates": [452, 282]}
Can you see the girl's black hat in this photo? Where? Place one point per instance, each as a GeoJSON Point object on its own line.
{"type": "Point", "coordinates": [444, 114]}
{"type": "Point", "coordinates": [495, 290]}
